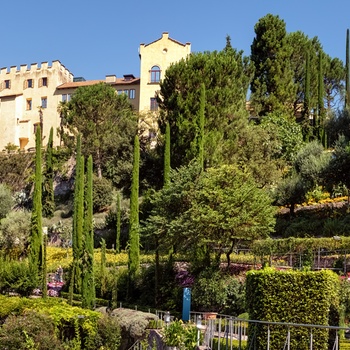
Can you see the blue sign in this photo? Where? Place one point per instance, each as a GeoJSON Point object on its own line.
{"type": "Point", "coordinates": [186, 304]}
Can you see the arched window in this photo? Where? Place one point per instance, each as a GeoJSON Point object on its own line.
{"type": "Point", "coordinates": [155, 74]}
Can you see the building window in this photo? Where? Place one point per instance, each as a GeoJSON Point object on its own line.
{"type": "Point", "coordinates": [132, 94]}
{"type": "Point", "coordinates": [43, 82]}
{"type": "Point", "coordinates": [66, 97]}
{"type": "Point", "coordinates": [7, 84]}
{"type": "Point", "coordinates": [154, 104]}
{"type": "Point", "coordinates": [29, 104]}
{"type": "Point", "coordinates": [155, 74]}
{"type": "Point", "coordinates": [44, 102]}
{"type": "Point", "coordinates": [30, 83]}
{"type": "Point", "coordinates": [120, 92]}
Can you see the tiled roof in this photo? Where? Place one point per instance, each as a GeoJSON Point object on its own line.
{"type": "Point", "coordinates": [76, 84]}
{"type": "Point", "coordinates": [118, 81]}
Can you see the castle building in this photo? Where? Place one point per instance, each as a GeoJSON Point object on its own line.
{"type": "Point", "coordinates": [30, 96]}
{"type": "Point", "coordinates": [155, 58]}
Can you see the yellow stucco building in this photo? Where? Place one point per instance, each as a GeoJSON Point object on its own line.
{"type": "Point", "coordinates": [30, 95]}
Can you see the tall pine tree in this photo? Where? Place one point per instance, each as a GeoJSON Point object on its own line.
{"type": "Point", "coordinates": [88, 283]}
{"type": "Point", "coordinates": [273, 88]}
{"type": "Point", "coordinates": [36, 234]}
{"type": "Point", "coordinates": [134, 238]}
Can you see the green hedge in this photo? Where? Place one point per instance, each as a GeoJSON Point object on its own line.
{"type": "Point", "coordinates": [298, 245]}
{"type": "Point", "coordinates": [292, 297]}
{"type": "Point", "coordinates": [228, 345]}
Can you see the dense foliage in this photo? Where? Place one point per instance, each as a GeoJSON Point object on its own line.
{"type": "Point", "coordinates": [107, 125]}
{"type": "Point", "coordinates": [209, 212]}
{"type": "Point", "coordinates": [225, 77]}
{"type": "Point", "coordinates": [294, 297]}
{"type": "Point", "coordinates": [38, 324]}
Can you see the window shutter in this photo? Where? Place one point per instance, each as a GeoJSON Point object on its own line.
{"type": "Point", "coordinates": [40, 82]}
{"type": "Point", "coordinates": [25, 84]}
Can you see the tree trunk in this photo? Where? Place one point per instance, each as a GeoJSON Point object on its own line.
{"type": "Point", "coordinates": [292, 210]}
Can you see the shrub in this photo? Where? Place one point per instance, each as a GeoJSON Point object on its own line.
{"type": "Point", "coordinates": [215, 291]}
{"type": "Point", "coordinates": [298, 297]}
{"type": "Point", "coordinates": [180, 335]}
{"type": "Point", "coordinates": [6, 200]}
{"type": "Point", "coordinates": [108, 334]}
{"type": "Point", "coordinates": [133, 323]}
{"type": "Point", "coordinates": [15, 231]}
{"type": "Point", "coordinates": [102, 194]}
{"type": "Point", "coordinates": [58, 323]}
{"type": "Point", "coordinates": [15, 276]}
{"type": "Point", "coordinates": [29, 331]}
{"type": "Point", "coordinates": [231, 343]}
{"type": "Point", "coordinates": [16, 170]}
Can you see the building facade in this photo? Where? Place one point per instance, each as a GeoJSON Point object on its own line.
{"type": "Point", "coordinates": [155, 58]}
{"type": "Point", "coordinates": [30, 96]}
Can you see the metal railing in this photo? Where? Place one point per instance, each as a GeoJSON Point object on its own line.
{"type": "Point", "coordinates": [224, 329]}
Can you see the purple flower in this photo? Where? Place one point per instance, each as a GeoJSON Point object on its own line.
{"type": "Point", "coordinates": [52, 293]}
{"type": "Point", "coordinates": [185, 279]}
{"type": "Point", "coordinates": [37, 291]}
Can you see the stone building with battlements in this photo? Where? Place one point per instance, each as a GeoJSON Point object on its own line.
{"type": "Point", "coordinates": [30, 95]}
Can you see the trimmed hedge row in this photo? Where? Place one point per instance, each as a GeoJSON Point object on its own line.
{"type": "Point", "coordinates": [298, 245]}
{"type": "Point", "coordinates": [292, 297]}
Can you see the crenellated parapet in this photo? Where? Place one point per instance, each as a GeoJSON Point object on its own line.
{"type": "Point", "coordinates": [35, 69]}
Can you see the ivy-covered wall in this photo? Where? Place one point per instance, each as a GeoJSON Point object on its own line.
{"type": "Point", "coordinates": [304, 297]}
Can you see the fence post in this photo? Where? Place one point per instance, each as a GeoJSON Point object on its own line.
{"type": "Point", "coordinates": [219, 333]}
{"type": "Point", "coordinates": [231, 332]}
{"type": "Point", "coordinates": [288, 344]}
{"type": "Point", "coordinates": [311, 339]}
{"type": "Point", "coordinates": [240, 336]}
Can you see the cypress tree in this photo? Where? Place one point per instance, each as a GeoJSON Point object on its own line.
{"type": "Point", "coordinates": [36, 235]}
{"type": "Point", "coordinates": [48, 192]}
{"type": "Point", "coordinates": [117, 241]}
{"type": "Point", "coordinates": [103, 267]}
{"type": "Point", "coordinates": [166, 182]}
{"type": "Point", "coordinates": [78, 214]}
{"type": "Point", "coordinates": [79, 225]}
{"type": "Point", "coordinates": [88, 283]}
{"type": "Point", "coordinates": [167, 155]}
{"type": "Point", "coordinates": [134, 239]}
{"type": "Point", "coordinates": [347, 71]}
{"type": "Point", "coordinates": [201, 127]}
{"type": "Point", "coordinates": [306, 107]}
{"type": "Point", "coordinates": [76, 191]}
{"type": "Point", "coordinates": [320, 101]}
{"type": "Point", "coordinates": [44, 290]}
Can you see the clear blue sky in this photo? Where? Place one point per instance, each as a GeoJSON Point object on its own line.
{"type": "Point", "coordinates": [94, 39]}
